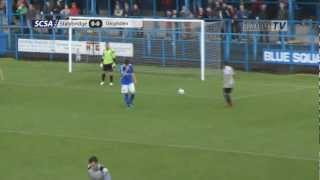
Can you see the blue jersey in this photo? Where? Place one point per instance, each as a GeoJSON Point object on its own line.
{"type": "Point", "coordinates": [126, 74]}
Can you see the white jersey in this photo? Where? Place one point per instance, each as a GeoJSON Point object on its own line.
{"type": "Point", "coordinates": [228, 73]}
{"type": "Point", "coordinates": [98, 173]}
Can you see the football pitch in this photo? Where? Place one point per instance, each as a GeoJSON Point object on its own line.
{"type": "Point", "coordinates": [52, 121]}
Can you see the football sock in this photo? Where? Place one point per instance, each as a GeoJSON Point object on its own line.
{"type": "Point", "coordinates": [111, 78]}
{"type": "Point", "coordinates": [132, 98]}
{"type": "Point", "coordinates": [127, 99]}
{"type": "Point", "coordinates": [228, 99]}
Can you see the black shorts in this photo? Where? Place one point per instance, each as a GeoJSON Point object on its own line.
{"type": "Point", "coordinates": [227, 90]}
{"type": "Point", "coordinates": [108, 68]}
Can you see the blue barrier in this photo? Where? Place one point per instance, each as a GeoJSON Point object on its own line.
{"type": "Point", "coordinates": [245, 49]}
{"type": "Point", "coordinates": [3, 43]}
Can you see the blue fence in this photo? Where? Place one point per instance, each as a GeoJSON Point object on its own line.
{"type": "Point", "coordinates": [293, 50]}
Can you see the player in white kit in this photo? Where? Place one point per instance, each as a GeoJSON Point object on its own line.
{"type": "Point", "coordinates": [228, 84]}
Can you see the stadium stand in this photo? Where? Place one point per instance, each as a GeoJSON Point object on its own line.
{"type": "Point", "coordinates": [208, 9]}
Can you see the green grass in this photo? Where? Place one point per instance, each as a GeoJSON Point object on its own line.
{"type": "Point", "coordinates": [52, 121]}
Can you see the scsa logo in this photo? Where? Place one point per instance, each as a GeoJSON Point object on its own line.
{"type": "Point", "coordinates": [44, 23]}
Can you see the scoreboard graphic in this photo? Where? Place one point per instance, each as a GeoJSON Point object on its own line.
{"type": "Point", "coordinates": [89, 23]}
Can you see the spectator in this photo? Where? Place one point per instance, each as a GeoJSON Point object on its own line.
{"type": "Point", "coordinates": [31, 14]}
{"type": "Point", "coordinates": [21, 2]}
{"type": "Point", "coordinates": [225, 12]}
{"type": "Point", "coordinates": [166, 4]}
{"type": "Point", "coordinates": [126, 11]}
{"type": "Point", "coordinates": [217, 11]}
{"type": "Point", "coordinates": [174, 13]}
{"type": "Point", "coordinates": [169, 25]}
{"type": "Point", "coordinates": [242, 12]}
{"type": "Point", "coordinates": [232, 11]}
{"type": "Point", "coordinates": [38, 15]}
{"type": "Point", "coordinates": [117, 3]}
{"type": "Point", "coordinates": [255, 7]}
{"type": "Point", "coordinates": [41, 15]}
{"type": "Point", "coordinates": [118, 11]}
{"type": "Point", "coordinates": [65, 12]}
{"type": "Point", "coordinates": [74, 10]}
{"type": "Point", "coordinates": [2, 6]}
{"type": "Point", "coordinates": [263, 15]}
{"type": "Point", "coordinates": [185, 12]}
{"type": "Point", "coordinates": [57, 8]}
{"type": "Point", "coordinates": [211, 3]}
{"type": "Point", "coordinates": [22, 11]}
{"type": "Point", "coordinates": [121, 3]}
{"type": "Point", "coordinates": [282, 13]}
{"type": "Point", "coordinates": [53, 16]}
{"type": "Point", "coordinates": [60, 3]}
{"type": "Point", "coordinates": [47, 8]}
{"type": "Point", "coordinates": [209, 13]}
{"type": "Point", "coordinates": [136, 11]}
{"type": "Point", "coordinates": [201, 13]}
{"type": "Point", "coordinates": [2, 11]}
{"type": "Point", "coordinates": [168, 14]}
{"type": "Point", "coordinates": [232, 14]}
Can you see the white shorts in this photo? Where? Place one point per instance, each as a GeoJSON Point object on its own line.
{"type": "Point", "coordinates": [128, 89]}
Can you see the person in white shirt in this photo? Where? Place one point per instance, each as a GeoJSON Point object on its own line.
{"type": "Point", "coordinates": [228, 83]}
{"type": "Point", "coordinates": [97, 171]}
{"type": "Point", "coordinates": [65, 12]}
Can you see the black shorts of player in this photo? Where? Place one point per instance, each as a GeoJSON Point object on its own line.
{"type": "Point", "coordinates": [108, 68]}
{"type": "Point", "coordinates": [227, 90]}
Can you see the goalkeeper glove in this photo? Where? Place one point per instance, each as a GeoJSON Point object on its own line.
{"type": "Point", "coordinates": [114, 65]}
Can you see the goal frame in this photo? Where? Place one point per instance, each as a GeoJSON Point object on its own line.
{"type": "Point", "coordinates": [200, 21]}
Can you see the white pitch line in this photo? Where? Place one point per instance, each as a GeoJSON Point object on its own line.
{"type": "Point", "coordinates": [269, 155]}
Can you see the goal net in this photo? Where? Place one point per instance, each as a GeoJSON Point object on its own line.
{"type": "Point", "coordinates": [163, 42]}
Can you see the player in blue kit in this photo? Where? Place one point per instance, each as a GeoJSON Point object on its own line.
{"type": "Point", "coordinates": [128, 80]}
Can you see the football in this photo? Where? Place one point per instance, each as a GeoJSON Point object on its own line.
{"type": "Point", "coordinates": [181, 91]}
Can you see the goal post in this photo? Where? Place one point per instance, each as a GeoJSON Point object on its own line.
{"type": "Point", "coordinates": [186, 28]}
{"type": "Point", "coordinates": [70, 47]}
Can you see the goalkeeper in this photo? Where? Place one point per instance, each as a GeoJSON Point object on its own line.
{"type": "Point", "coordinates": [108, 63]}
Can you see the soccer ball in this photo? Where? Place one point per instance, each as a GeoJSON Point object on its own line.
{"type": "Point", "coordinates": [181, 91]}
{"type": "Point", "coordinates": [101, 65]}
